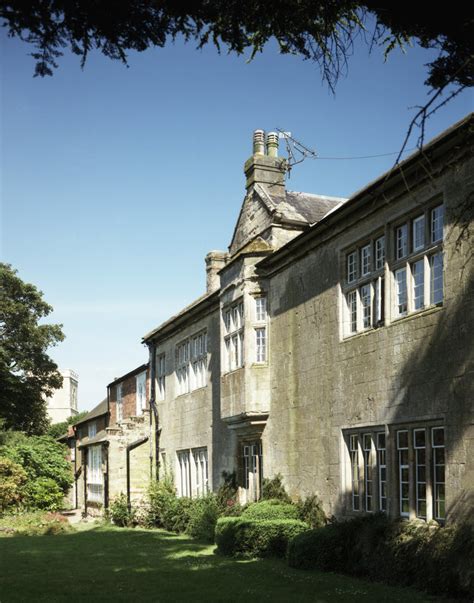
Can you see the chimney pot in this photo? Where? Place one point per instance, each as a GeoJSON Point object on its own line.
{"type": "Point", "coordinates": [259, 142]}
{"type": "Point", "coordinates": [272, 144]}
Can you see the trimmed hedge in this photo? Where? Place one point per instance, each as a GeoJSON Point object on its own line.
{"type": "Point", "coordinates": [271, 509]}
{"type": "Point", "coordinates": [414, 553]}
{"type": "Point", "coordinates": [256, 538]}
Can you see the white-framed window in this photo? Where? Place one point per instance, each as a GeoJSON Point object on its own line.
{"type": "Point", "coordinates": [161, 377]}
{"type": "Point", "coordinates": [419, 278]}
{"type": "Point", "coordinates": [198, 360]}
{"type": "Point", "coordinates": [261, 308]}
{"type": "Point", "coordinates": [412, 457]}
{"type": "Point", "coordinates": [95, 477]}
{"type": "Point", "coordinates": [261, 344]}
{"type": "Point", "coordinates": [191, 363]}
{"type": "Point", "coordinates": [233, 316]}
{"type": "Point", "coordinates": [355, 474]}
{"type": "Point", "coordinates": [418, 233]}
{"type": "Point", "coordinates": [401, 291]}
{"type": "Point", "coordinates": [119, 401]}
{"type": "Point", "coordinates": [201, 471]}
{"type": "Point", "coordinates": [91, 429]}
{"type": "Point", "coordinates": [379, 253]}
{"type": "Point", "coordinates": [436, 278]}
{"type": "Point", "coordinates": [437, 223]}
{"type": "Point", "coordinates": [351, 267]}
{"type": "Point", "coordinates": [260, 329]}
{"type": "Point", "coordinates": [403, 473]}
{"type": "Point", "coordinates": [365, 260]}
{"type": "Point", "coordinates": [184, 473]}
{"type": "Point", "coordinates": [382, 470]}
{"type": "Point", "coordinates": [368, 470]}
{"type": "Point", "coordinates": [364, 292]}
{"type": "Point", "coordinates": [419, 444]}
{"type": "Point", "coordinates": [439, 479]}
{"type": "Point", "coordinates": [192, 472]}
{"type": "Point", "coordinates": [401, 241]}
{"type": "Point", "coordinates": [368, 477]}
{"type": "Point", "coordinates": [140, 393]}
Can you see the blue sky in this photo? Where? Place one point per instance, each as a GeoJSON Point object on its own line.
{"type": "Point", "coordinates": [116, 182]}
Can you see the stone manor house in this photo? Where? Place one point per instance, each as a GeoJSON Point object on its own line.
{"type": "Point", "coordinates": [333, 346]}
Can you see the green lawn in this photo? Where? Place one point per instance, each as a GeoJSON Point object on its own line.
{"type": "Point", "coordinates": [111, 564]}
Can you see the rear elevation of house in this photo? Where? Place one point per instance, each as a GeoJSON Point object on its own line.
{"type": "Point", "coordinates": [334, 343]}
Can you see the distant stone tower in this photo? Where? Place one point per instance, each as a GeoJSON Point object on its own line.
{"type": "Point", "coordinates": [63, 403]}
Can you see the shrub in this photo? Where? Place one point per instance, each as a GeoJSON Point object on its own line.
{"type": "Point", "coordinates": [311, 512]}
{"type": "Point", "coordinates": [256, 538]}
{"type": "Point", "coordinates": [119, 513]}
{"type": "Point", "coordinates": [409, 553]}
{"type": "Point", "coordinates": [203, 515]}
{"type": "Point", "coordinates": [12, 479]}
{"type": "Point", "coordinates": [161, 495]}
{"type": "Point", "coordinates": [37, 523]}
{"type": "Point", "coordinates": [176, 515]}
{"type": "Point", "coordinates": [274, 489]}
{"type": "Point", "coordinates": [226, 496]}
{"type": "Point", "coordinates": [271, 509]}
{"type": "Point", "coordinates": [44, 493]}
{"type": "Point", "coordinates": [40, 457]}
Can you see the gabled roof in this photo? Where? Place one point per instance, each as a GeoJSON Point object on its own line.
{"type": "Point", "coordinates": [97, 411]}
{"type": "Point", "coordinates": [139, 369]}
{"type": "Point", "coordinates": [291, 208]}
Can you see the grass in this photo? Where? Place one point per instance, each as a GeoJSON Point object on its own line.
{"type": "Point", "coordinates": [104, 563]}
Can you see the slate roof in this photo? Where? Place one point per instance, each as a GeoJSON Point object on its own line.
{"type": "Point", "coordinates": [99, 437]}
{"type": "Point", "coordinates": [312, 208]}
{"type": "Point", "coordinates": [97, 411]}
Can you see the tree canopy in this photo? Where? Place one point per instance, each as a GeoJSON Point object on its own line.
{"type": "Point", "coordinates": [319, 30]}
{"type": "Point", "coordinates": [27, 374]}
{"type": "Point", "coordinates": [58, 429]}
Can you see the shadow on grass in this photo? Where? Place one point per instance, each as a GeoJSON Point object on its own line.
{"type": "Point", "coordinates": [111, 564]}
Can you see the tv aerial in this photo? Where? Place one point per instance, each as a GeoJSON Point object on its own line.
{"type": "Point", "coordinates": [297, 151]}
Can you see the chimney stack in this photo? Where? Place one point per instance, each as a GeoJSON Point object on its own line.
{"type": "Point", "coordinates": [215, 261]}
{"type": "Point", "coordinates": [264, 166]}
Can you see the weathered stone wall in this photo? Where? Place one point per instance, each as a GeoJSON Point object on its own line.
{"type": "Point", "coordinates": [413, 369]}
{"type": "Point", "coordinates": [193, 420]}
{"type": "Point", "coordinates": [119, 437]}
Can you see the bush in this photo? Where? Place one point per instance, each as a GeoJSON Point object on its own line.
{"type": "Point", "coordinates": [203, 515]}
{"type": "Point", "coordinates": [273, 489]}
{"type": "Point", "coordinates": [119, 513]}
{"type": "Point", "coordinates": [256, 538]}
{"type": "Point", "coordinates": [161, 495]}
{"type": "Point", "coordinates": [40, 457]}
{"type": "Point", "coordinates": [311, 512]}
{"type": "Point", "coordinates": [178, 515]}
{"type": "Point", "coordinates": [226, 496]}
{"type": "Point", "coordinates": [44, 493]}
{"type": "Point", "coordinates": [271, 509]}
{"type": "Point", "coordinates": [37, 523]}
{"type": "Point", "coordinates": [409, 553]}
{"type": "Point", "coordinates": [12, 479]}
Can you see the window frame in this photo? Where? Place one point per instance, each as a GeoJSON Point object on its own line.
{"type": "Point", "coordinates": [191, 363]}
{"type": "Point", "coordinates": [234, 338]}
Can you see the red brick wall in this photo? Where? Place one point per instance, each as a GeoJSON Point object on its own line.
{"type": "Point", "coordinates": [129, 396]}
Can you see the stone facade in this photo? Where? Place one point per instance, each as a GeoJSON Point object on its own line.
{"type": "Point", "coordinates": [63, 402]}
{"type": "Point", "coordinates": [336, 344]}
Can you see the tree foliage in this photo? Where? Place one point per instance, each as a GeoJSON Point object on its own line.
{"type": "Point", "coordinates": [27, 373]}
{"type": "Point", "coordinates": [319, 30]}
{"type": "Point", "coordinates": [58, 429]}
